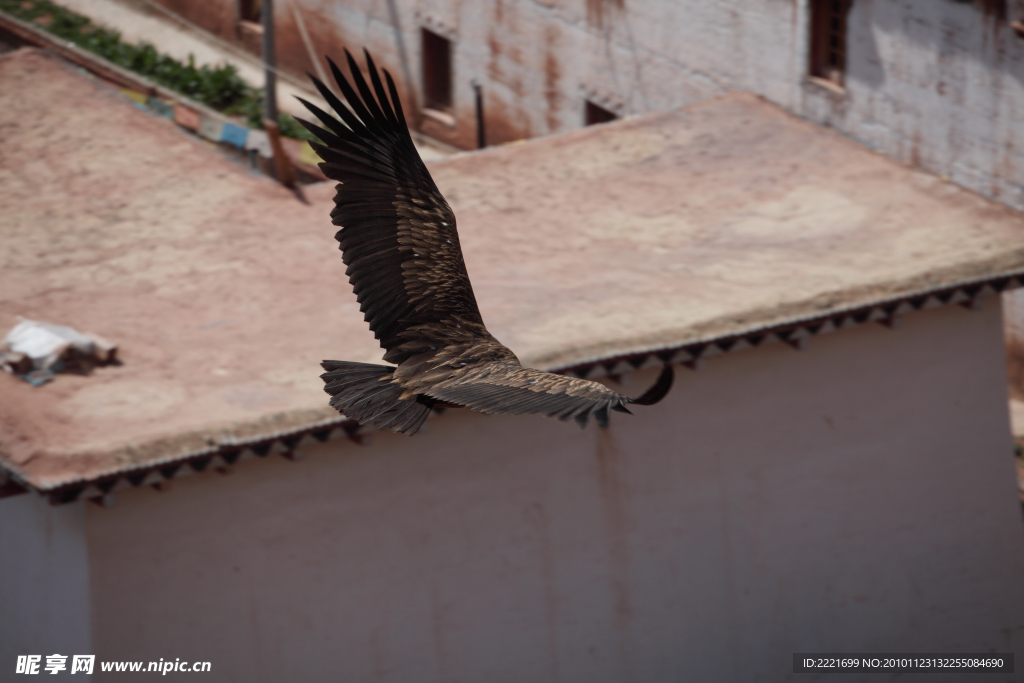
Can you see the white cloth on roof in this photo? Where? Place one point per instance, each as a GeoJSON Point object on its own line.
{"type": "Point", "coordinates": [45, 343]}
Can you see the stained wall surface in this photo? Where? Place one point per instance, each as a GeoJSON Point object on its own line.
{"type": "Point", "coordinates": [935, 83]}
{"type": "Point", "coordinates": [858, 495]}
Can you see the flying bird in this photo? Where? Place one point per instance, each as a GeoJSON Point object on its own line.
{"type": "Point", "coordinates": [399, 241]}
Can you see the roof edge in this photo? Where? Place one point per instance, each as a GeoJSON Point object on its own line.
{"type": "Point", "coordinates": [219, 454]}
{"type": "Point", "coordinates": [796, 330]}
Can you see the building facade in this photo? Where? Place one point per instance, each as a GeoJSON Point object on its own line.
{"type": "Point", "coordinates": [831, 472]}
{"type": "Point", "coordinates": [856, 496]}
{"type": "Point", "coordinates": [933, 83]}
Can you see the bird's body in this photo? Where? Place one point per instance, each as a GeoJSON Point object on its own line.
{"type": "Point", "coordinates": [401, 246]}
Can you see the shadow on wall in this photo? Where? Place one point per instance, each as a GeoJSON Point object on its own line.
{"type": "Point", "coordinates": [868, 67]}
{"type": "Point", "coordinates": [978, 29]}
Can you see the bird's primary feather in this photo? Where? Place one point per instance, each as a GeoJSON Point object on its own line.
{"type": "Point", "coordinates": [400, 244]}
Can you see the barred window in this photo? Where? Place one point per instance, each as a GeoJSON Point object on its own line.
{"type": "Point", "coordinates": [828, 39]}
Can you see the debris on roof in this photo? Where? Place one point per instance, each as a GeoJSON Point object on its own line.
{"type": "Point", "coordinates": [36, 350]}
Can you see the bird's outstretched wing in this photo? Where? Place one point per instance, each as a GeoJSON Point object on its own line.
{"type": "Point", "coordinates": [399, 241]}
{"type": "Point", "coordinates": [510, 389]}
{"type": "Point", "coordinates": [398, 235]}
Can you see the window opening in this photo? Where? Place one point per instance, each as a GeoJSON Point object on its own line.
{"type": "Point", "coordinates": [597, 114]}
{"type": "Point", "coordinates": [437, 71]}
{"type": "Point", "coordinates": [828, 39]}
{"type": "Point", "coordinates": [249, 10]}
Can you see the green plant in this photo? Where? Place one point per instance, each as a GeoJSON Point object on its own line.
{"type": "Point", "coordinates": [219, 87]}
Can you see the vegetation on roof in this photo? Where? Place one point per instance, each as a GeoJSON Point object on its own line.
{"type": "Point", "coordinates": [218, 87]}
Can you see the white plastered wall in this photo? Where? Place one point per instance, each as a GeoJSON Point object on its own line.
{"type": "Point", "coordinates": [44, 583]}
{"type": "Point", "coordinates": [855, 496]}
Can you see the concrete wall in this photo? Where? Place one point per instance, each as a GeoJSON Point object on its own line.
{"type": "Point", "coordinates": [855, 496]}
{"type": "Point", "coordinates": [936, 83]}
{"type": "Point", "coordinates": [44, 583]}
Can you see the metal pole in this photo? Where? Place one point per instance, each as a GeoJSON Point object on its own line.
{"type": "Point", "coordinates": [481, 134]}
{"type": "Point", "coordinates": [269, 88]}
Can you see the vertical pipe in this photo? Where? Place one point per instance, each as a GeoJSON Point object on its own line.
{"type": "Point", "coordinates": [269, 88]}
{"type": "Point", "coordinates": [481, 134]}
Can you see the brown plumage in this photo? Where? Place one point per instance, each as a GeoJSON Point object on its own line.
{"type": "Point", "coordinates": [399, 241]}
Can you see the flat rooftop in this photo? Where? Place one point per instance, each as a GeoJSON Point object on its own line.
{"type": "Point", "coordinates": [224, 292]}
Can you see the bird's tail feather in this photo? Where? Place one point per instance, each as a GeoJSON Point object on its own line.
{"type": "Point", "coordinates": [364, 392]}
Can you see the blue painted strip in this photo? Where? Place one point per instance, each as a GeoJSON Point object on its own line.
{"type": "Point", "coordinates": [234, 135]}
{"type": "Point", "coordinates": [160, 107]}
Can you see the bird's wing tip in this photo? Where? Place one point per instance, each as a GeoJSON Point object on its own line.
{"type": "Point", "coordinates": [659, 390]}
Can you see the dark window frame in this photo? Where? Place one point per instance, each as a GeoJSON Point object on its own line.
{"type": "Point", "coordinates": [829, 32]}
